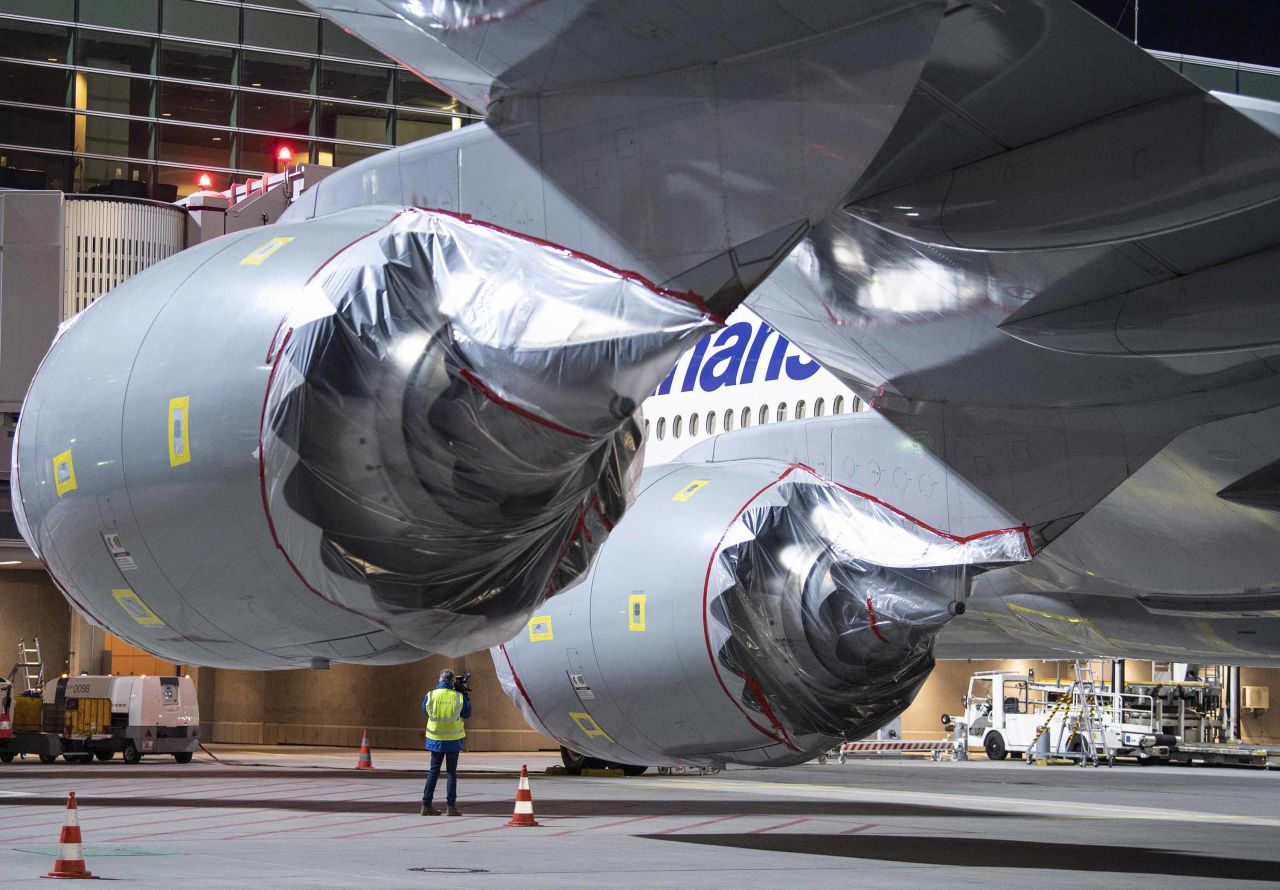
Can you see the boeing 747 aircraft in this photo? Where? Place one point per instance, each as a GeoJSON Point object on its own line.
{"type": "Point", "coordinates": [1044, 260]}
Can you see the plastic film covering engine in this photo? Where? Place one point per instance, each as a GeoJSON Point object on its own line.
{"type": "Point", "coordinates": [449, 430]}
{"type": "Point", "coordinates": [824, 604]}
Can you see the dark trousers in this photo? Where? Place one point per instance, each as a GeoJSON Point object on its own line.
{"type": "Point", "coordinates": [450, 761]}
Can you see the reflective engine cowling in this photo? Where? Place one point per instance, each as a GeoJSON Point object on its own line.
{"type": "Point", "coordinates": [363, 437]}
{"type": "Point", "coordinates": [744, 612]}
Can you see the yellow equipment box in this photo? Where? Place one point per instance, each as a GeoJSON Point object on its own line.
{"type": "Point", "coordinates": [26, 713]}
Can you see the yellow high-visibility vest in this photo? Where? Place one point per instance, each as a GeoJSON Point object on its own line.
{"type": "Point", "coordinates": [444, 715]}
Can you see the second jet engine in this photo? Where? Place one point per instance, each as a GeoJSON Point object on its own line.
{"type": "Point", "coordinates": [747, 611]}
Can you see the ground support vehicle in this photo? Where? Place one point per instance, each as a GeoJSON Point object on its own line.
{"type": "Point", "coordinates": [1009, 712]}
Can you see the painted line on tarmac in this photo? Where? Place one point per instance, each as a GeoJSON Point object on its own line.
{"type": "Point", "coordinates": [1004, 805]}
{"type": "Point", "coordinates": [698, 824]}
{"type": "Point", "coordinates": [778, 827]}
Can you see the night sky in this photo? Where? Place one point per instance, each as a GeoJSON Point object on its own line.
{"type": "Point", "coordinates": [1238, 30]}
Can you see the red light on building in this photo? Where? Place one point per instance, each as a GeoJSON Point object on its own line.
{"type": "Point", "coordinates": [205, 181]}
{"type": "Point", "coordinates": [284, 155]}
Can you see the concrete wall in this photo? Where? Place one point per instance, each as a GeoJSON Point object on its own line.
{"type": "Point", "coordinates": [332, 707]}
{"type": "Point", "coordinates": [1261, 726]}
{"type": "Point", "coordinates": [30, 606]}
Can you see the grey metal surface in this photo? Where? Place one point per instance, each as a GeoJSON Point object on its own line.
{"type": "Point", "coordinates": [30, 287]}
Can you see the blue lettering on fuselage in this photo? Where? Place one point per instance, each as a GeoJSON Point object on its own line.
{"type": "Point", "coordinates": [734, 358]}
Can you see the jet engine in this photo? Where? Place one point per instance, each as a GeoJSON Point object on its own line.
{"type": "Point", "coordinates": [363, 437]}
{"type": "Point", "coordinates": [745, 611]}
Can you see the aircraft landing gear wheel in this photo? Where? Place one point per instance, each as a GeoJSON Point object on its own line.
{"type": "Point", "coordinates": [574, 763]}
{"type": "Point", "coordinates": [131, 753]}
{"type": "Point", "coordinates": [182, 756]}
{"type": "Point", "coordinates": [48, 758]}
{"type": "Point", "coordinates": [995, 748]}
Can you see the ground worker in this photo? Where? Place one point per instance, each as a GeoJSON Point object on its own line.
{"type": "Point", "coordinates": [446, 707]}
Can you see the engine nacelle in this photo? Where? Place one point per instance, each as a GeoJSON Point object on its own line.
{"type": "Point", "coordinates": [363, 437]}
{"type": "Point", "coordinates": [748, 612]}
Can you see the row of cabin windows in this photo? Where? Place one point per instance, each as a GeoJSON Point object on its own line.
{"type": "Point", "coordinates": [700, 424]}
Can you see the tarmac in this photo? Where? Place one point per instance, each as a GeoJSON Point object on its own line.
{"type": "Point", "coordinates": [302, 817]}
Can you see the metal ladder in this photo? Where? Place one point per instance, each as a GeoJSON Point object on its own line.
{"type": "Point", "coordinates": [1083, 698]}
{"type": "Point", "coordinates": [29, 667]}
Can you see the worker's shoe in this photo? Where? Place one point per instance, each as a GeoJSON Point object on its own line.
{"type": "Point", "coordinates": [427, 810]}
{"type": "Point", "coordinates": [453, 811]}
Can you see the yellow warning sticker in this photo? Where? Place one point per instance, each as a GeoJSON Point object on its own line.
{"type": "Point", "coordinates": [263, 252]}
{"type": "Point", "coordinates": [137, 609]}
{"type": "Point", "coordinates": [589, 727]}
{"type": "Point", "coordinates": [690, 490]}
{"type": "Point", "coordinates": [179, 444]}
{"type": "Point", "coordinates": [635, 611]}
{"type": "Point", "coordinates": [540, 628]}
{"type": "Point", "coordinates": [64, 473]}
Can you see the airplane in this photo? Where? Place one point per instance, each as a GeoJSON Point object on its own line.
{"type": "Point", "coordinates": [1044, 259]}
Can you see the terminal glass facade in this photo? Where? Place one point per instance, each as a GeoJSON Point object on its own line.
{"type": "Point", "coordinates": [156, 92]}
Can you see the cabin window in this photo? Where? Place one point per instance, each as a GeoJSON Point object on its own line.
{"type": "Point", "coordinates": [800, 410]}
{"type": "Point", "coordinates": [646, 428]}
{"type": "Point", "coordinates": [711, 422]}
{"type": "Point", "coordinates": [677, 425]}
{"type": "Point", "coordinates": [858, 404]}
{"type": "Point", "coordinates": [782, 411]}
{"type": "Point", "coordinates": [837, 407]}
{"type": "Point", "coordinates": [693, 424]}
{"type": "Point", "coordinates": [662, 428]}
{"type": "Point", "coordinates": [746, 418]}
{"type": "Point", "coordinates": [763, 416]}
{"type": "Point", "coordinates": [728, 419]}
{"type": "Point", "coordinates": [820, 408]}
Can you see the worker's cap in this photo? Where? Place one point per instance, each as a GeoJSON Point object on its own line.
{"type": "Point", "coordinates": [446, 676]}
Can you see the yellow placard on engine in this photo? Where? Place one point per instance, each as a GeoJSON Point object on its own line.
{"type": "Point", "coordinates": [588, 725]}
{"type": "Point", "coordinates": [635, 611]}
{"type": "Point", "coordinates": [690, 490]}
{"type": "Point", "coordinates": [137, 609]}
{"type": "Point", "coordinates": [540, 628]}
{"type": "Point", "coordinates": [64, 473]}
{"type": "Point", "coordinates": [179, 441]}
{"type": "Point", "coordinates": [263, 252]}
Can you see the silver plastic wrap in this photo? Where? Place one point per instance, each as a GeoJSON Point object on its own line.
{"type": "Point", "coordinates": [824, 604]}
{"type": "Point", "coordinates": [449, 429]}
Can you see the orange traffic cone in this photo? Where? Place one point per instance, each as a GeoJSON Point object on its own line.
{"type": "Point", "coordinates": [366, 759]}
{"type": "Point", "coordinates": [523, 815]}
{"type": "Point", "coordinates": [70, 861]}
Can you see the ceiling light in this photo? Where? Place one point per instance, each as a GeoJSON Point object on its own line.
{"type": "Point", "coordinates": [166, 114]}
{"type": "Point", "coordinates": [11, 562]}
{"type": "Point", "coordinates": [255, 84]}
{"type": "Point", "coordinates": [217, 138]}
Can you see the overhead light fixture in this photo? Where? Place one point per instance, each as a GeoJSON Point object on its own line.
{"type": "Point", "coordinates": [217, 138]}
{"type": "Point", "coordinates": [166, 114]}
{"type": "Point", "coordinates": [52, 59]}
{"type": "Point", "coordinates": [255, 84]}
{"type": "Point", "coordinates": [11, 562]}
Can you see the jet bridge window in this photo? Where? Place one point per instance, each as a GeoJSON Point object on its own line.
{"type": "Point", "coordinates": [711, 421]}
{"type": "Point", "coordinates": [693, 424]}
{"type": "Point", "coordinates": [662, 428]}
{"type": "Point", "coordinates": [837, 407]}
{"type": "Point", "coordinates": [819, 407]}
